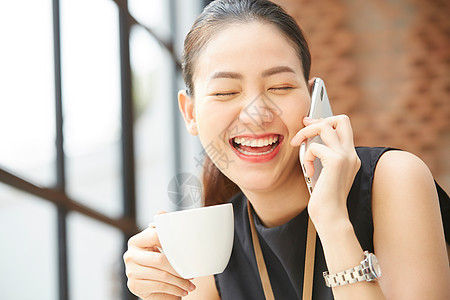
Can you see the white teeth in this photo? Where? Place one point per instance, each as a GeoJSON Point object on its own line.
{"type": "Point", "coordinates": [245, 142]}
{"type": "Point", "coordinates": [255, 142]}
{"type": "Point", "coordinates": [256, 154]}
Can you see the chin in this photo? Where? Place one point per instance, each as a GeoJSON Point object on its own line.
{"type": "Point", "coordinates": [255, 181]}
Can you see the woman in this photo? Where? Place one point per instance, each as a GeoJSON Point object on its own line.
{"type": "Point", "coordinates": [246, 67]}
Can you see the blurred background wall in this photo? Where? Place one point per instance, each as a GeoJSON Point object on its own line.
{"type": "Point", "coordinates": [71, 193]}
{"type": "Point", "coordinates": [386, 64]}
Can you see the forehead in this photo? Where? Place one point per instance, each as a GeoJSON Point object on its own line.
{"type": "Point", "coordinates": [241, 46]}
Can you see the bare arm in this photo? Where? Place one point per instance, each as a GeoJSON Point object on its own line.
{"type": "Point", "coordinates": [408, 235]}
{"type": "Point", "coordinates": [408, 232]}
{"type": "Point", "coordinates": [327, 206]}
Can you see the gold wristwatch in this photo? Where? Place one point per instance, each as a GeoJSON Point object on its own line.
{"type": "Point", "coordinates": [368, 270]}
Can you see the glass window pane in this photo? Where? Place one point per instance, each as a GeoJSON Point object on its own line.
{"type": "Point", "coordinates": [27, 122]}
{"type": "Point", "coordinates": [95, 259]}
{"type": "Point", "coordinates": [152, 14]}
{"type": "Point", "coordinates": [91, 95]}
{"type": "Point", "coordinates": [28, 236]}
{"type": "Point", "coordinates": [156, 105]}
{"type": "Point", "coordinates": [153, 126]}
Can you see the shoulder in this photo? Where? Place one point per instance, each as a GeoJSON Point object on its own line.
{"type": "Point", "coordinates": [397, 162]}
{"type": "Point", "coordinates": [404, 176]}
{"type": "Point", "coordinates": [370, 158]}
{"type": "Point", "coordinates": [407, 226]}
{"type": "Point", "coordinates": [402, 182]}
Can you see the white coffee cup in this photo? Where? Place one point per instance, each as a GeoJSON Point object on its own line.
{"type": "Point", "coordinates": [197, 242]}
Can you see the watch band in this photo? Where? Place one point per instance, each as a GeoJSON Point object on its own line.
{"type": "Point", "coordinates": [362, 272]}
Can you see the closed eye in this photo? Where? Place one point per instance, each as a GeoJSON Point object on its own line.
{"type": "Point", "coordinates": [282, 88]}
{"type": "Point", "coordinates": [225, 94]}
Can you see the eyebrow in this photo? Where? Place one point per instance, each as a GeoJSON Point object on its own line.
{"type": "Point", "coordinates": [231, 75]}
{"type": "Point", "coordinates": [266, 73]}
{"type": "Point", "coordinates": [276, 70]}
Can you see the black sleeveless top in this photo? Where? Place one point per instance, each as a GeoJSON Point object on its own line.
{"type": "Point", "coordinates": [284, 246]}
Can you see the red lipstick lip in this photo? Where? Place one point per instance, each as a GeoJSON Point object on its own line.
{"type": "Point", "coordinates": [258, 158]}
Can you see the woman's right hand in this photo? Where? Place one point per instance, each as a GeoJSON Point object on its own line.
{"type": "Point", "coordinates": [150, 275]}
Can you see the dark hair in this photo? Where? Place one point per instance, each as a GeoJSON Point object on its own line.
{"type": "Point", "coordinates": [215, 17]}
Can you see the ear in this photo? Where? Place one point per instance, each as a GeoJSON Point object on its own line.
{"type": "Point", "coordinates": [311, 84]}
{"type": "Point", "coordinates": [186, 105]}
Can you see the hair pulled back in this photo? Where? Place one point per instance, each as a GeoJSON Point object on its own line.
{"type": "Point", "coordinates": [215, 17]}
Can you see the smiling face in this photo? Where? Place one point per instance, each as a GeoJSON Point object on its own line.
{"type": "Point", "coordinates": [250, 99]}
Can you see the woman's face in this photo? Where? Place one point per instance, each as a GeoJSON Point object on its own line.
{"type": "Point", "coordinates": [250, 99]}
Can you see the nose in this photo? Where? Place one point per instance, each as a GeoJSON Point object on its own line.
{"type": "Point", "coordinates": [256, 112]}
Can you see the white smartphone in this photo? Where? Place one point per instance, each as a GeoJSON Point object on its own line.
{"type": "Point", "coordinates": [320, 108]}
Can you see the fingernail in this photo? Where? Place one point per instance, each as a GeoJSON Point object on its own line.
{"type": "Point", "coordinates": [307, 118]}
{"type": "Point", "coordinates": [192, 287]}
{"type": "Point", "coordinates": [296, 139]}
{"type": "Point", "coordinates": [184, 293]}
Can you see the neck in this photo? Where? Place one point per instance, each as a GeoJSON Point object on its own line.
{"type": "Point", "coordinates": [278, 205]}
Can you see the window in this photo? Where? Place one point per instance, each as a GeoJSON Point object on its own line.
{"type": "Point", "coordinates": [89, 130]}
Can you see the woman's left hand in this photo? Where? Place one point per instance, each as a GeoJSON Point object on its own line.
{"type": "Point", "coordinates": [340, 165]}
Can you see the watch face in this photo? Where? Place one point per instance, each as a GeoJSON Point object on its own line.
{"type": "Point", "coordinates": [374, 265]}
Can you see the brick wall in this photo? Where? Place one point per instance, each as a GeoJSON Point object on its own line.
{"type": "Point", "coordinates": [386, 64]}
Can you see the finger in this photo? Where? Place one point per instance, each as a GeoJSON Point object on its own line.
{"type": "Point", "coordinates": [314, 150]}
{"type": "Point", "coordinates": [146, 288]}
{"type": "Point", "coordinates": [147, 238]}
{"type": "Point", "coordinates": [152, 259]}
{"type": "Point", "coordinates": [136, 271]}
{"type": "Point", "coordinates": [341, 124]}
{"type": "Point", "coordinates": [323, 129]}
{"type": "Point", "coordinates": [159, 296]}
{"type": "Point", "coordinates": [343, 127]}
{"type": "Point", "coordinates": [299, 137]}
{"type": "Point", "coordinates": [308, 121]}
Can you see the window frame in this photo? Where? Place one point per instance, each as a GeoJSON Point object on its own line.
{"type": "Point", "coordinates": [57, 194]}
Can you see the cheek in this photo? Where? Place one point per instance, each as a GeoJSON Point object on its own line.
{"type": "Point", "coordinates": [293, 113]}
{"type": "Point", "coordinates": [213, 120]}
